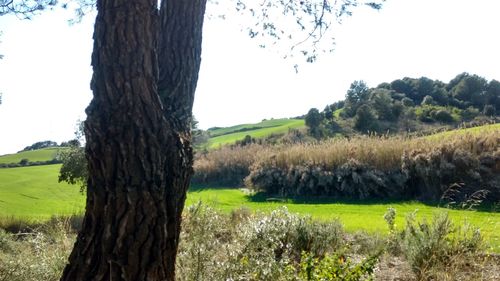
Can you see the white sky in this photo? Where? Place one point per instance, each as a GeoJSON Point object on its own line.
{"type": "Point", "coordinates": [46, 71]}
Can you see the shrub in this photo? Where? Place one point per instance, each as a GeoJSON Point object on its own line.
{"type": "Point", "coordinates": [436, 245]}
{"type": "Point", "coordinates": [489, 110]}
{"type": "Point", "coordinates": [263, 247]}
{"type": "Point", "coordinates": [428, 100]}
{"type": "Point", "coordinates": [364, 120]}
{"type": "Point", "coordinates": [336, 267]}
{"type": "Point", "coordinates": [407, 102]}
{"type": "Point", "coordinates": [442, 116]}
{"type": "Point", "coordinates": [37, 255]}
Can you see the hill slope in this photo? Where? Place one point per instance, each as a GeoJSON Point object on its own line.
{"type": "Point", "coordinates": [44, 154]}
{"type": "Point", "coordinates": [220, 136]}
{"type": "Point", "coordinates": [34, 192]}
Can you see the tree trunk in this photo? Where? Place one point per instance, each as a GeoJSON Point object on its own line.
{"type": "Point", "coordinates": [138, 144]}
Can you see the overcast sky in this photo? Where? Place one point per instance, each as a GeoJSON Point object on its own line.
{"type": "Point", "coordinates": [45, 74]}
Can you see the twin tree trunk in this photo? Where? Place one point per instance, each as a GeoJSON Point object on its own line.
{"type": "Point", "coordinates": [146, 62]}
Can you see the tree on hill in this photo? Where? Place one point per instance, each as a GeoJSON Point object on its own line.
{"type": "Point", "coordinates": [313, 121]}
{"type": "Point", "coordinates": [40, 145]}
{"type": "Point", "coordinates": [364, 120]}
{"type": "Point", "coordinates": [146, 61]}
{"type": "Point", "coordinates": [356, 96]}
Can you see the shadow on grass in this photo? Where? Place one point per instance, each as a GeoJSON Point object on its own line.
{"type": "Point", "coordinates": [262, 197]}
{"type": "Point", "coordinates": [197, 187]}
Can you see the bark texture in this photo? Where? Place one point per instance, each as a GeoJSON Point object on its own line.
{"type": "Point", "coordinates": [138, 144]}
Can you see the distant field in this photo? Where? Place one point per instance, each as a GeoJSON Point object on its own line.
{"type": "Point", "coordinates": [259, 130]}
{"type": "Point", "coordinates": [34, 193]}
{"type": "Point", "coordinates": [45, 154]}
{"type": "Point", "coordinates": [354, 216]}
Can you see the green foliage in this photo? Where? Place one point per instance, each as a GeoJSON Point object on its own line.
{"type": "Point", "coordinates": [428, 100]}
{"type": "Point", "coordinates": [247, 247]}
{"type": "Point", "coordinates": [470, 113]}
{"type": "Point", "coordinates": [434, 113]}
{"type": "Point", "coordinates": [489, 110]}
{"type": "Point", "coordinates": [199, 137]}
{"type": "Point", "coordinates": [442, 116]}
{"type": "Point", "coordinates": [469, 88]}
{"type": "Point", "coordinates": [407, 102]}
{"type": "Point", "coordinates": [434, 102]}
{"type": "Point", "coordinates": [313, 121]}
{"type": "Point", "coordinates": [365, 119]}
{"type": "Point", "coordinates": [356, 96]}
{"type": "Point", "coordinates": [336, 267]}
{"type": "Point", "coordinates": [40, 145]}
{"type": "Point", "coordinates": [74, 167]}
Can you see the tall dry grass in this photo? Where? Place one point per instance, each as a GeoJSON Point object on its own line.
{"type": "Point", "coordinates": [379, 166]}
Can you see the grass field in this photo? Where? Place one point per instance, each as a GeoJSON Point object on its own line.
{"type": "Point", "coordinates": [34, 193]}
{"type": "Point", "coordinates": [473, 131]}
{"type": "Point", "coordinates": [45, 154]}
{"type": "Point", "coordinates": [354, 216]}
{"type": "Point", "coordinates": [232, 134]}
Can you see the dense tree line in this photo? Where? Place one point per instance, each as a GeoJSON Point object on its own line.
{"type": "Point", "coordinates": [402, 103]}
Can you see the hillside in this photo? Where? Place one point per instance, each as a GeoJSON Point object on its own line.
{"type": "Point", "coordinates": [45, 154]}
{"type": "Point", "coordinates": [229, 135]}
{"type": "Point", "coordinates": [34, 192]}
{"type": "Point", "coordinates": [409, 105]}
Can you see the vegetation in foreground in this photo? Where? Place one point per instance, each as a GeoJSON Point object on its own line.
{"type": "Point", "coordinates": [278, 246]}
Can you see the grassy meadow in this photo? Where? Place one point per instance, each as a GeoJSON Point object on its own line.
{"type": "Point", "coordinates": [230, 135]}
{"type": "Point", "coordinates": [354, 216]}
{"type": "Point", "coordinates": [33, 194]}
{"type": "Point", "coordinates": [32, 155]}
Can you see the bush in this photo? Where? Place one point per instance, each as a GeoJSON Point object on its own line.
{"type": "Point", "coordinates": [489, 110]}
{"type": "Point", "coordinates": [430, 247]}
{"type": "Point", "coordinates": [364, 120]}
{"type": "Point", "coordinates": [336, 267]}
{"type": "Point", "coordinates": [264, 247]}
{"type": "Point", "coordinates": [40, 254]}
{"type": "Point", "coordinates": [442, 116]}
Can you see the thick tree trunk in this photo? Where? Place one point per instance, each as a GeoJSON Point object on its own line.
{"type": "Point", "coordinates": [181, 24]}
{"type": "Point", "coordinates": [138, 144]}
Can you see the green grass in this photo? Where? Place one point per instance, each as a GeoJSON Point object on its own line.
{"type": "Point", "coordinates": [337, 112]}
{"type": "Point", "coordinates": [34, 193]}
{"type": "Point", "coordinates": [473, 131]}
{"type": "Point", "coordinates": [354, 216]}
{"type": "Point", "coordinates": [260, 130]}
{"type": "Point", "coordinates": [45, 154]}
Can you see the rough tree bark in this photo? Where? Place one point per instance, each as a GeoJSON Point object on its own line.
{"type": "Point", "coordinates": [138, 139]}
